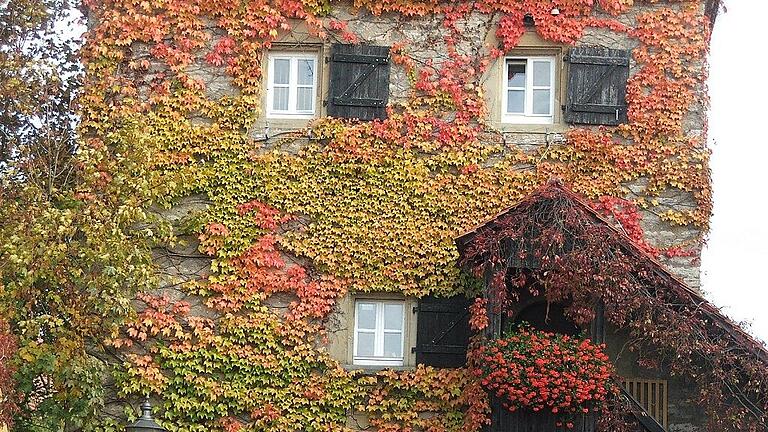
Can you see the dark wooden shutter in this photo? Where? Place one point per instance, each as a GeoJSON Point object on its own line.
{"type": "Point", "coordinates": [359, 81]}
{"type": "Point", "coordinates": [442, 331]}
{"type": "Point", "coordinates": [597, 86]}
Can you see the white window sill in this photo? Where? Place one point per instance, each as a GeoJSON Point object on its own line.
{"type": "Point", "coordinates": [524, 120]}
{"type": "Point", "coordinates": [554, 128]}
{"type": "Point", "coordinates": [372, 369]}
{"type": "Point", "coordinates": [287, 116]}
{"type": "Point", "coordinates": [378, 362]}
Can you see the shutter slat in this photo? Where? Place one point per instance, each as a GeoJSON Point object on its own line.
{"type": "Point", "coordinates": [427, 306]}
{"type": "Point", "coordinates": [595, 108]}
{"type": "Point", "coordinates": [593, 60]}
{"type": "Point", "coordinates": [597, 86]}
{"type": "Point", "coordinates": [358, 102]}
{"type": "Point", "coordinates": [359, 81]}
{"type": "Point", "coordinates": [597, 327]}
{"type": "Point", "coordinates": [360, 58]}
{"type": "Point", "coordinates": [443, 349]}
{"type": "Point", "coordinates": [651, 399]}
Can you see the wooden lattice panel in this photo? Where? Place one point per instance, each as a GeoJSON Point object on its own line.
{"type": "Point", "coordinates": [652, 395]}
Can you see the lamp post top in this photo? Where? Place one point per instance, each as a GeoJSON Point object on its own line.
{"type": "Point", "coordinates": [145, 423]}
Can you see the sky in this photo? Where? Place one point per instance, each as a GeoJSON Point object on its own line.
{"type": "Point", "coordinates": [735, 260]}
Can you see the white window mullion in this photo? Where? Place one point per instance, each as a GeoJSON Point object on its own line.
{"type": "Point", "coordinates": [376, 332]}
{"type": "Point", "coordinates": [528, 87]}
{"type": "Point", "coordinates": [551, 88]}
{"type": "Point", "coordinates": [379, 352]}
{"type": "Point", "coordinates": [316, 69]}
{"type": "Point", "coordinates": [292, 84]}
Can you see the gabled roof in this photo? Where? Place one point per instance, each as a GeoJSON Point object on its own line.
{"type": "Point", "coordinates": [712, 8]}
{"type": "Point", "coordinates": [555, 189]}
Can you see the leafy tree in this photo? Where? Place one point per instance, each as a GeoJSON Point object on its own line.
{"type": "Point", "coordinates": [69, 262]}
{"type": "Point", "coordinates": [7, 389]}
{"type": "Point", "coordinates": [39, 74]}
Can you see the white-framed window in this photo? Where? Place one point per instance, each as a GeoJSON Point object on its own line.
{"type": "Point", "coordinates": [379, 338]}
{"type": "Point", "coordinates": [292, 85]}
{"type": "Point", "coordinates": [528, 90]}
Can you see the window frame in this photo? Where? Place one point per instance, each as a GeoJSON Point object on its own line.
{"type": "Point", "coordinates": [527, 116]}
{"type": "Point", "coordinates": [379, 332]}
{"type": "Point", "coordinates": [293, 85]}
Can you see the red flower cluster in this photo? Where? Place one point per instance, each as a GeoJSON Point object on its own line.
{"type": "Point", "coordinates": [544, 371]}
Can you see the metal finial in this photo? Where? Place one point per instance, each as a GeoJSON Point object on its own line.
{"type": "Point", "coordinates": [146, 410]}
{"type": "Point", "coordinates": [145, 423]}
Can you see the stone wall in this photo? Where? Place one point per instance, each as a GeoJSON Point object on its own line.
{"type": "Point", "coordinates": [185, 264]}
{"type": "Point", "coordinates": [425, 36]}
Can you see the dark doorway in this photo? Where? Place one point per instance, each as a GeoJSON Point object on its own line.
{"type": "Point", "coordinates": [549, 317]}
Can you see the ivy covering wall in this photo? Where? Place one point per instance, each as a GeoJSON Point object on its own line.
{"type": "Point", "coordinates": [363, 206]}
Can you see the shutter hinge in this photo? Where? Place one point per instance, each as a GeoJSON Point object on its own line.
{"type": "Point", "coordinates": [413, 350]}
{"type": "Point", "coordinates": [567, 58]}
{"type": "Point", "coordinates": [415, 309]}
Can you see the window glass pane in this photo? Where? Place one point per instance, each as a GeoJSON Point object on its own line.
{"type": "Point", "coordinates": [304, 99]}
{"type": "Point", "coordinates": [306, 71]}
{"type": "Point", "coordinates": [515, 74]}
{"type": "Point", "coordinates": [280, 99]}
{"type": "Point", "coordinates": [541, 102]}
{"type": "Point", "coordinates": [393, 317]}
{"type": "Point", "coordinates": [365, 343]}
{"type": "Point", "coordinates": [541, 74]}
{"type": "Point", "coordinates": [366, 316]}
{"type": "Point", "coordinates": [393, 344]}
{"type": "Point", "coordinates": [282, 71]}
{"type": "Point", "coordinates": [515, 101]}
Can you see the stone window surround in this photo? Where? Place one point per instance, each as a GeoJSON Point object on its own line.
{"type": "Point", "coordinates": [494, 88]}
{"type": "Point", "coordinates": [342, 330]}
{"type": "Point", "coordinates": [529, 87]}
{"type": "Point", "coordinates": [316, 49]}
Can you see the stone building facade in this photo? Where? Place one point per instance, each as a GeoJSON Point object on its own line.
{"type": "Point", "coordinates": [578, 94]}
{"type": "Point", "coordinates": [425, 44]}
